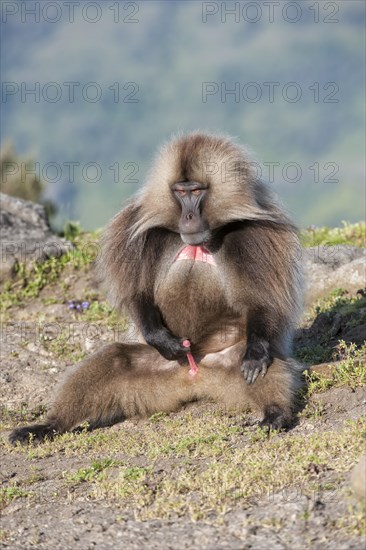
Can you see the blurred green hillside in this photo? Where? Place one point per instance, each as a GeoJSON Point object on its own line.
{"type": "Point", "coordinates": [168, 55]}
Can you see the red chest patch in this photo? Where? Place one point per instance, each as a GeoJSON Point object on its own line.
{"type": "Point", "coordinates": [196, 253]}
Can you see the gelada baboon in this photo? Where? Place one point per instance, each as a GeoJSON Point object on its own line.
{"type": "Point", "coordinates": [202, 253]}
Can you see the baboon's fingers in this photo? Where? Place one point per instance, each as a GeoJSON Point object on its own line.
{"type": "Point", "coordinates": [264, 369]}
{"type": "Point", "coordinates": [251, 368]}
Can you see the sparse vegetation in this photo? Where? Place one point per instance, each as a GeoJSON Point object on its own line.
{"type": "Point", "coordinates": [215, 463]}
{"type": "Point", "coordinates": [352, 234]}
{"type": "Point", "coordinates": [350, 370]}
{"type": "Point", "coordinates": [341, 301]}
{"type": "Point", "coordinates": [8, 494]}
{"type": "Point", "coordinates": [31, 279]}
{"type": "Point", "coordinates": [201, 463]}
{"type": "Point", "coordinates": [92, 472]}
{"type": "Point", "coordinates": [325, 320]}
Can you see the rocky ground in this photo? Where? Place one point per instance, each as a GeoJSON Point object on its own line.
{"type": "Point", "coordinates": [201, 478]}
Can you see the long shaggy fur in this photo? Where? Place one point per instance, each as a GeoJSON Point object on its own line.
{"type": "Point", "coordinates": [254, 282]}
{"type": "Point", "coordinates": [259, 260]}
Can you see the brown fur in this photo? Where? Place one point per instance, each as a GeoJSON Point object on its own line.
{"type": "Point", "coordinates": [256, 280]}
{"type": "Point", "coordinates": [123, 381]}
{"type": "Point", "coordinates": [258, 265]}
{"type": "Point", "coordinates": [111, 383]}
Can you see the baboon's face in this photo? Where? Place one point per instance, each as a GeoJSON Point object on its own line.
{"type": "Point", "coordinates": [193, 227]}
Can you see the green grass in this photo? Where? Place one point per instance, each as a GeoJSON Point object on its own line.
{"type": "Point", "coordinates": [200, 478]}
{"type": "Point", "coordinates": [8, 494]}
{"type": "Point", "coordinates": [203, 461]}
{"type": "Point", "coordinates": [216, 480]}
{"type": "Point", "coordinates": [350, 370]}
{"type": "Point", "coordinates": [352, 234]}
{"type": "Point", "coordinates": [314, 354]}
{"type": "Point", "coordinates": [341, 301]}
{"type": "Point", "coordinates": [94, 471]}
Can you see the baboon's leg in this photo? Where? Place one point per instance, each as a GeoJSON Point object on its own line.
{"type": "Point", "coordinates": [274, 394]}
{"type": "Point", "coordinates": [118, 382]}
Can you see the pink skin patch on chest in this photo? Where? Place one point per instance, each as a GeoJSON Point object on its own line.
{"type": "Point", "coordinates": [195, 253]}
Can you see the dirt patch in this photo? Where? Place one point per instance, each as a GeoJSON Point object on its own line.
{"type": "Point", "coordinates": [55, 514]}
{"type": "Point", "coordinates": [200, 478]}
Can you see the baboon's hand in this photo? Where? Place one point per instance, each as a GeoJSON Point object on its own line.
{"type": "Point", "coordinates": [256, 360]}
{"type": "Point", "coordinates": [168, 345]}
{"type": "Point", "coordinates": [251, 368]}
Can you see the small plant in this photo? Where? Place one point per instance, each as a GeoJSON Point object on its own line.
{"type": "Point", "coordinates": [7, 494]}
{"type": "Point", "coordinates": [93, 471]}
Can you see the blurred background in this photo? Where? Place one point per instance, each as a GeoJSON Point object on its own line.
{"type": "Point", "coordinates": [90, 90]}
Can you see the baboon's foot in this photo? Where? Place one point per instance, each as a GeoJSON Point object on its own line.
{"type": "Point", "coordinates": [35, 432]}
{"type": "Point", "coordinates": [275, 418]}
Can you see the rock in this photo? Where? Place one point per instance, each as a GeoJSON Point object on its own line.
{"type": "Point", "coordinates": [358, 479]}
{"type": "Point", "coordinates": [330, 267]}
{"type": "Point", "coordinates": [355, 334]}
{"type": "Point", "coordinates": [26, 235]}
